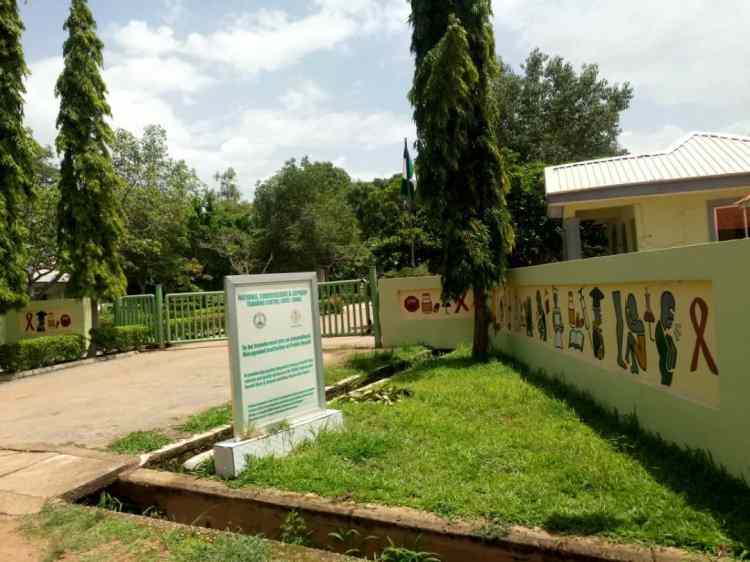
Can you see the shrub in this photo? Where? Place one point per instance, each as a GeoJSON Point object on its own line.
{"type": "Point", "coordinates": [41, 352]}
{"type": "Point", "coordinates": [118, 339]}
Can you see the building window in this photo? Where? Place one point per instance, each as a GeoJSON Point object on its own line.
{"type": "Point", "coordinates": [731, 222]}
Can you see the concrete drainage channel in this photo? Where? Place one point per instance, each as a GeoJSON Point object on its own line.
{"type": "Point", "coordinates": [344, 527]}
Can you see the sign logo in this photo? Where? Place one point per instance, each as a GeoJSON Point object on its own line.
{"type": "Point", "coordinates": [296, 318]}
{"type": "Point", "coordinates": [411, 304]}
{"type": "Point", "coordinates": [260, 320]}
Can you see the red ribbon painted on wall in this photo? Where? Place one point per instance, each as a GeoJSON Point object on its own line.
{"type": "Point", "coordinates": [29, 322]}
{"type": "Point", "coordinates": [700, 335]}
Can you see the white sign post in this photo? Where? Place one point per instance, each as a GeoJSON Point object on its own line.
{"type": "Point", "coordinates": [276, 361]}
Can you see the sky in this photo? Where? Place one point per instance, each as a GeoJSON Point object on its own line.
{"type": "Point", "coordinates": [250, 83]}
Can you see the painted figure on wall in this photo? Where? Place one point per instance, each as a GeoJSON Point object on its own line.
{"type": "Point", "coordinates": [529, 317]}
{"type": "Point", "coordinates": [620, 327]}
{"type": "Point", "coordinates": [597, 335]}
{"type": "Point", "coordinates": [541, 317]}
{"type": "Point", "coordinates": [648, 316]}
{"type": "Point", "coordinates": [557, 320]}
{"type": "Point", "coordinates": [665, 344]}
{"type": "Point", "coordinates": [635, 354]}
{"type": "Point", "coordinates": [576, 337]}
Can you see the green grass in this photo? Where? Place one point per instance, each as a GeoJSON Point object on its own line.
{"type": "Point", "coordinates": [97, 535]}
{"type": "Point", "coordinates": [364, 363]}
{"type": "Point", "coordinates": [140, 442]}
{"type": "Point", "coordinates": [487, 440]}
{"type": "Point", "coordinates": [208, 420]}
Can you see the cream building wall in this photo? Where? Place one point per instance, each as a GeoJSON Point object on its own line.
{"type": "Point", "coordinates": [664, 221]}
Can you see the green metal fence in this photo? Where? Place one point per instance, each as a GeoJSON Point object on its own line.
{"type": "Point", "coordinates": [347, 308]}
{"type": "Point", "coordinates": [140, 310]}
{"type": "Point", "coordinates": [194, 317]}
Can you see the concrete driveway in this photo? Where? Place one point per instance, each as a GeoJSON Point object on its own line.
{"type": "Point", "coordinates": [90, 405]}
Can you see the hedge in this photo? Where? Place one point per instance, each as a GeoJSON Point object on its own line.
{"type": "Point", "coordinates": [118, 339]}
{"type": "Point", "coordinates": [41, 352]}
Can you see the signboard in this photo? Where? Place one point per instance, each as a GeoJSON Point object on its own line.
{"type": "Point", "coordinates": [427, 304]}
{"type": "Point", "coordinates": [275, 349]}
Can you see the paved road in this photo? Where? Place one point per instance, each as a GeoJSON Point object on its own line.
{"type": "Point", "coordinates": [91, 405]}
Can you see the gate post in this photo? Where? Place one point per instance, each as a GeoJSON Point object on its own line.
{"type": "Point", "coordinates": [375, 298]}
{"type": "Point", "coordinates": [159, 316]}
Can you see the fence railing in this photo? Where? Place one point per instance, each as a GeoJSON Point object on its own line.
{"type": "Point", "coordinates": [138, 310]}
{"type": "Point", "coordinates": [345, 308]}
{"type": "Point", "coordinates": [194, 317]}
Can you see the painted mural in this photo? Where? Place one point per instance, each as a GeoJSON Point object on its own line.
{"type": "Point", "coordinates": [660, 334]}
{"type": "Point", "coordinates": [427, 304]}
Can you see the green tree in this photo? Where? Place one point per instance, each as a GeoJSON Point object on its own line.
{"type": "Point", "coordinates": [157, 194]}
{"type": "Point", "coordinates": [460, 164]}
{"type": "Point", "coordinates": [40, 238]}
{"type": "Point", "coordinates": [228, 185]}
{"type": "Point", "coordinates": [388, 226]}
{"type": "Point", "coordinates": [89, 215]}
{"type": "Point", "coordinates": [304, 221]}
{"type": "Point", "coordinates": [16, 174]}
{"type": "Point", "coordinates": [553, 114]}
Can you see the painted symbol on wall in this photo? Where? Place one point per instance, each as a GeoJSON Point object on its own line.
{"type": "Point", "coordinates": [700, 336]}
{"type": "Point", "coordinates": [620, 327]}
{"type": "Point", "coordinates": [576, 337]}
{"type": "Point", "coordinates": [665, 344]}
{"type": "Point", "coordinates": [597, 336]}
{"type": "Point", "coordinates": [541, 317]}
{"type": "Point", "coordinates": [648, 316]}
{"type": "Point", "coordinates": [66, 320]}
{"type": "Point", "coordinates": [461, 304]}
{"type": "Point", "coordinates": [529, 317]}
{"type": "Point", "coordinates": [557, 320]}
{"type": "Point", "coordinates": [635, 353]}
{"type": "Point", "coordinates": [426, 303]}
{"type": "Point", "coordinates": [411, 304]}
{"type": "Point", "coordinates": [260, 321]}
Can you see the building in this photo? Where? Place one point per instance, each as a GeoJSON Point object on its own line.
{"type": "Point", "coordinates": [698, 191]}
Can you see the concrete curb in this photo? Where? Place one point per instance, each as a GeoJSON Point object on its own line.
{"type": "Point", "coordinates": [257, 510]}
{"type": "Point", "coordinates": [186, 447]}
{"type": "Point", "coordinates": [10, 377]}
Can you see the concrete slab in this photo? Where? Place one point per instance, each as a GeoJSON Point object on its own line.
{"type": "Point", "coordinates": [14, 461]}
{"type": "Point", "coordinates": [19, 504]}
{"type": "Point", "coordinates": [32, 475]}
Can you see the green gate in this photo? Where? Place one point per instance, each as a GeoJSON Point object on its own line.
{"type": "Point", "coordinates": [347, 308]}
{"type": "Point", "coordinates": [138, 310]}
{"type": "Point", "coordinates": [192, 317]}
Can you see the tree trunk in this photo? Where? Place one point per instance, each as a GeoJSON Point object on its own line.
{"type": "Point", "coordinates": [94, 326]}
{"type": "Point", "coordinates": [481, 347]}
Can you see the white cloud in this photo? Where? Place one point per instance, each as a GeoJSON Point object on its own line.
{"type": "Point", "coordinates": [155, 75]}
{"type": "Point", "coordinates": [673, 51]}
{"type": "Point", "coordinates": [139, 38]}
{"type": "Point", "coordinates": [306, 98]}
{"type": "Point", "coordinates": [656, 140]}
{"type": "Point", "coordinates": [41, 105]}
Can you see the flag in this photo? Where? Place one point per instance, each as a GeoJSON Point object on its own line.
{"type": "Point", "coordinates": [408, 183]}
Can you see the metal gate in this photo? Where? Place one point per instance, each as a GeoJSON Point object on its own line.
{"type": "Point", "coordinates": [192, 317]}
{"type": "Point", "coordinates": [347, 308]}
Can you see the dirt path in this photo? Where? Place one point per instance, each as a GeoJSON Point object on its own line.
{"type": "Point", "coordinates": [91, 405]}
{"type": "Point", "coordinates": [13, 546]}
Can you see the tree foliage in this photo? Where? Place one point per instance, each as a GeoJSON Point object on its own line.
{"type": "Point", "coordinates": [553, 114]}
{"type": "Point", "coordinates": [16, 176]}
{"type": "Point", "coordinates": [156, 192]}
{"type": "Point", "coordinates": [89, 216]}
{"type": "Point", "coordinates": [388, 226]}
{"type": "Point", "coordinates": [460, 165]}
{"type": "Point", "coordinates": [303, 221]}
{"type": "Point", "coordinates": [547, 115]}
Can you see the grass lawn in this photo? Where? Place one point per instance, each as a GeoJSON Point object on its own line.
{"type": "Point", "coordinates": [94, 535]}
{"type": "Point", "coordinates": [359, 364]}
{"type": "Point", "coordinates": [485, 440]}
{"type": "Point", "coordinates": [363, 363]}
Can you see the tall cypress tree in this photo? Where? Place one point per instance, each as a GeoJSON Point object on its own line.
{"type": "Point", "coordinates": [90, 221]}
{"type": "Point", "coordinates": [459, 163]}
{"type": "Point", "coordinates": [15, 159]}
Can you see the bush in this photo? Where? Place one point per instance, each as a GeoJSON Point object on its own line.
{"type": "Point", "coordinates": [118, 339]}
{"type": "Point", "coordinates": [41, 352]}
